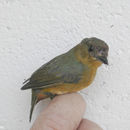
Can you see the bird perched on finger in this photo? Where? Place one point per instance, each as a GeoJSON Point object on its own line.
{"type": "Point", "coordinates": [69, 72]}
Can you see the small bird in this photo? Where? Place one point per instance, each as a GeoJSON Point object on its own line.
{"type": "Point", "coordinates": [69, 72]}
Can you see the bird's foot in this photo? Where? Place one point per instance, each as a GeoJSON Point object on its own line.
{"type": "Point", "coordinates": [50, 95]}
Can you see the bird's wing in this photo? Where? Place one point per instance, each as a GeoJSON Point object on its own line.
{"type": "Point", "coordinates": [62, 69]}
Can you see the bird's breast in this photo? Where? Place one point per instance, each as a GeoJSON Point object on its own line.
{"type": "Point", "coordinates": [88, 76]}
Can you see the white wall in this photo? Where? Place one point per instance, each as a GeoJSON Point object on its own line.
{"type": "Point", "coordinates": [34, 31]}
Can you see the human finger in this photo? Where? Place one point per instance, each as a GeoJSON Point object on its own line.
{"type": "Point", "coordinates": [63, 113]}
{"type": "Point", "coordinates": [88, 125]}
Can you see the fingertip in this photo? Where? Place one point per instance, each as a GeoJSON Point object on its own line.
{"type": "Point", "coordinates": [64, 110]}
{"type": "Point", "coordinates": [75, 97]}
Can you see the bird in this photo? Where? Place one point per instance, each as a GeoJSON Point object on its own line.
{"type": "Point", "coordinates": [69, 72]}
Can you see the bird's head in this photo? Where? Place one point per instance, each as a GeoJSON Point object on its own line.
{"type": "Point", "coordinates": [97, 49]}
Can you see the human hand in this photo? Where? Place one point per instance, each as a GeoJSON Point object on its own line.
{"type": "Point", "coordinates": [64, 112]}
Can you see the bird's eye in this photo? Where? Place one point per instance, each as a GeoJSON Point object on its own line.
{"type": "Point", "coordinates": [104, 49]}
{"type": "Point", "coordinates": [90, 49]}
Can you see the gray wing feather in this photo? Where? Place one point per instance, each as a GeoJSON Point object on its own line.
{"type": "Point", "coordinates": [59, 70]}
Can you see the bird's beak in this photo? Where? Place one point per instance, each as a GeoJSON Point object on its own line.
{"type": "Point", "coordinates": [103, 59]}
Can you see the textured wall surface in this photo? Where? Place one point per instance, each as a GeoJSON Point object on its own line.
{"type": "Point", "coordinates": [34, 31]}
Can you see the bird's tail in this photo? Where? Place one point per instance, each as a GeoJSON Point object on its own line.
{"type": "Point", "coordinates": [34, 101]}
